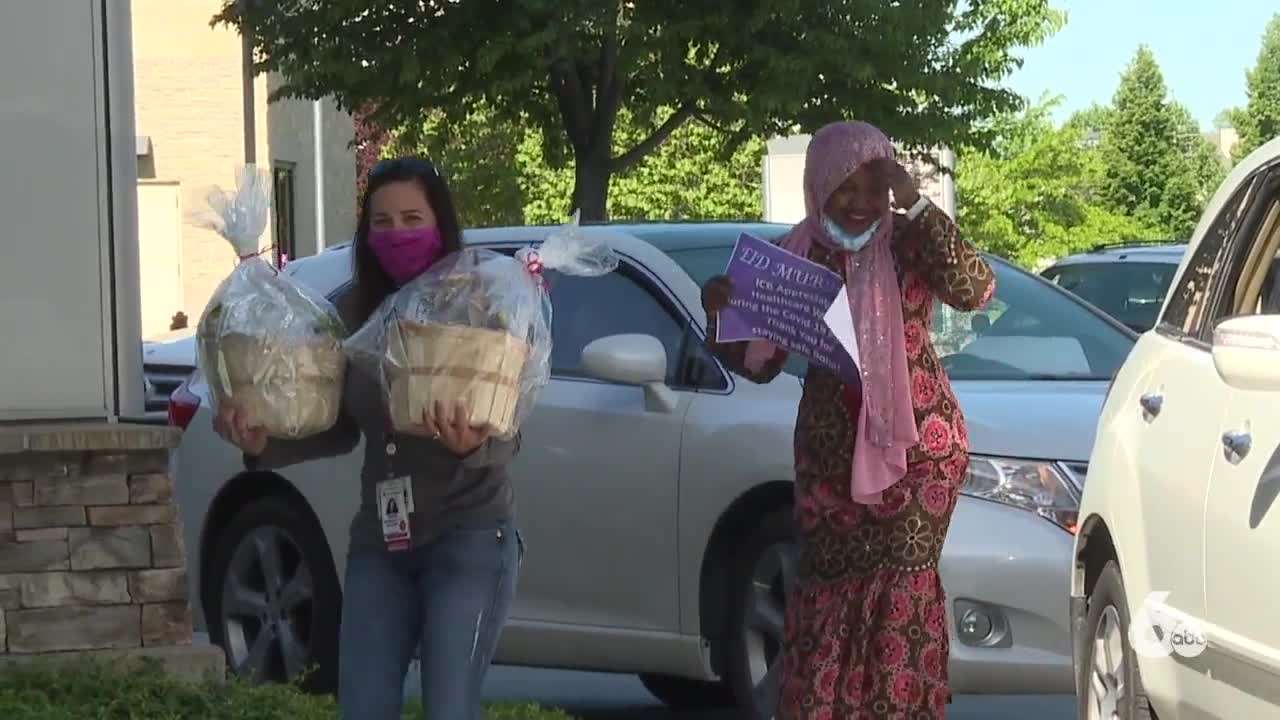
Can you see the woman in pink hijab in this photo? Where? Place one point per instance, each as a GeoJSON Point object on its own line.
{"type": "Point", "coordinates": [879, 460]}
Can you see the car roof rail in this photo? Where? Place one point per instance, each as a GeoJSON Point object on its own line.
{"type": "Point", "coordinates": [1103, 247]}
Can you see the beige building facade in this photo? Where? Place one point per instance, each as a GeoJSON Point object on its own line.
{"type": "Point", "coordinates": [190, 100]}
{"type": "Point", "coordinates": [783, 170]}
{"type": "Point", "coordinates": [1224, 140]}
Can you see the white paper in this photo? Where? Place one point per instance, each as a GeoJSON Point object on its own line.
{"type": "Point", "coordinates": [839, 318]}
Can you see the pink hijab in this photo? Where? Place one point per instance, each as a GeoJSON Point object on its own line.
{"type": "Point", "coordinates": [886, 426]}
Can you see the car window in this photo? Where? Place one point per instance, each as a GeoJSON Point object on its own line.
{"type": "Point", "coordinates": [1130, 292]}
{"type": "Point", "coordinates": [1269, 299]}
{"type": "Point", "coordinates": [1253, 295]}
{"type": "Point", "coordinates": [1216, 258]}
{"type": "Point", "coordinates": [1028, 330]}
{"type": "Point", "coordinates": [585, 309]}
{"type": "Point", "coordinates": [704, 263]}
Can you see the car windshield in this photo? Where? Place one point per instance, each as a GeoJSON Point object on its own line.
{"type": "Point", "coordinates": [1029, 330]}
{"type": "Point", "coordinates": [1130, 292]}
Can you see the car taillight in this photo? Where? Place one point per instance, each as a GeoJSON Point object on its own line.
{"type": "Point", "coordinates": [183, 405]}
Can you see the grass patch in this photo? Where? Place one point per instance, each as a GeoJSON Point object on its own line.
{"type": "Point", "coordinates": [99, 693]}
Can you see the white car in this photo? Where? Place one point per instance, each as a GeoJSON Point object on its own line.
{"type": "Point", "coordinates": [655, 488]}
{"type": "Point", "coordinates": [1172, 589]}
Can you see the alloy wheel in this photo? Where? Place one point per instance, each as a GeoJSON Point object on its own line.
{"type": "Point", "coordinates": [1107, 668]}
{"type": "Point", "coordinates": [772, 580]}
{"type": "Point", "coordinates": [268, 601]}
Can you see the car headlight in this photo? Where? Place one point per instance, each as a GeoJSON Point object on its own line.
{"type": "Point", "coordinates": [1036, 486]}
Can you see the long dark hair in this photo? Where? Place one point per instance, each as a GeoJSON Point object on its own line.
{"type": "Point", "coordinates": [372, 284]}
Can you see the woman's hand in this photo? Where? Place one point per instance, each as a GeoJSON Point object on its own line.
{"type": "Point", "coordinates": [716, 294]}
{"type": "Point", "coordinates": [453, 429]}
{"type": "Point", "coordinates": [237, 427]}
{"type": "Point", "coordinates": [897, 179]}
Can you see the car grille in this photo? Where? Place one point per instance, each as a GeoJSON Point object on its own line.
{"type": "Point", "coordinates": [161, 381]}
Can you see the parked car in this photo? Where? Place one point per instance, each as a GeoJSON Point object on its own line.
{"type": "Point", "coordinates": [1172, 584]}
{"type": "Point", "coordinates": [655, 488]}
{"type": "Point", "coordinates": [1126, 280]}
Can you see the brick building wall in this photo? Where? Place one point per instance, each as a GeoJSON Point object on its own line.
{"type": "Point", "coordinates": [189, 103]}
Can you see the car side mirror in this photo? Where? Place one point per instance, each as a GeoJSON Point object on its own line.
{"type": "Point", "coordinates": [632, 360]}
{"type": "Point", "coordinates": [1246, 352]}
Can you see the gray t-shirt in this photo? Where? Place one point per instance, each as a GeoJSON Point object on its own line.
{"type": "Point", "coordinates": [448, 491]}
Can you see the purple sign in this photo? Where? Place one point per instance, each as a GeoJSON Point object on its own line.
{"type": "Point", "coordinates": [782, 297]}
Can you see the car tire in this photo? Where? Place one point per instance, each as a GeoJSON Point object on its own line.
{"type": "Point", "coordinates": [762, 575]}
{"type": "Point", "coordinates": [1108, 674]}
{"type": "Point", "coordinates": [298, 612]}
{"type": "Point", "coordinates": [681, 693]}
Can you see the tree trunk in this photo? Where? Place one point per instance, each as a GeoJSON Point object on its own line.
{"type": "Point", "coordinates": [591, 175]}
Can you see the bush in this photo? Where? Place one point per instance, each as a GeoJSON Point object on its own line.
{"type": "Point", "coordinates": [98, 693]}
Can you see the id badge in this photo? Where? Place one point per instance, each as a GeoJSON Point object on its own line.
{"type": "Point", "coordinates": [395, 502]}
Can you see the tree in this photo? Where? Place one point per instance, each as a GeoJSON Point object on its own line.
{"type": "Point", "coordinates": [1033, 195]}
{"type": "Point", "coordinates": [1090, 122]}
{"type": "Point", "coordinates": [482, 159]}
{"type": "Point", "coordinates": [1207, 167]}
{"type": "Point", "coordinates": [1154, 154]}
{"type": "Point", "coordinates": [924, 70]}
{"type": "Point", "coordinates": [1259, 120]}
{"type": "Point", "coordinates": [687, 178]}
{"type": "Point", "coordinates": [370, 139]}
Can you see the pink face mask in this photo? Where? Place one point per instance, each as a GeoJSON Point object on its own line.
{"type": "Point", "coordinates": [404, 253]}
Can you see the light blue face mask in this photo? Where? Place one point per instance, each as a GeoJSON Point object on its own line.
{"type": "Point", "coordinates": [846, 240]}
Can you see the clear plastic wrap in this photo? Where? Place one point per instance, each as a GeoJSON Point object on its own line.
{"type": "Point", "coordinates": [475, 329]}
{"type": "Point", "coordinates": [269, 345]}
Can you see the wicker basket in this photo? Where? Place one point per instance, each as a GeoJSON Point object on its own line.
{"type": "Point", "coordinates": [479, 367]}
{"type": "Point", "coordinates": [292, 387]}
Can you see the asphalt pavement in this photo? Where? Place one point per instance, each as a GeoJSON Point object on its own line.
{"type": "Point", "coordinates": [592, 696]}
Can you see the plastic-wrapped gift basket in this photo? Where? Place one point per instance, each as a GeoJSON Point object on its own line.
{"type": "Point", "coordinates": [264, 342]}
{"type": "Point", "coordinates": [474, 329]}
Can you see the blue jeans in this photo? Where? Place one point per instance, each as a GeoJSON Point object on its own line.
{"type": "Point", "coordinates": [451, 597]}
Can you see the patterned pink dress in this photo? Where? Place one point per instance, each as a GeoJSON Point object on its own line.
{"type": "Point", "coordinates": [866, 629]}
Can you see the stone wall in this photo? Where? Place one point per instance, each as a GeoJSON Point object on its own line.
{"type": "Point", "coordinates": [91, 554]}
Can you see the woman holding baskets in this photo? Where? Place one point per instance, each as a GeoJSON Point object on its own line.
{"type": "Point", "coordinates": [434, 551]}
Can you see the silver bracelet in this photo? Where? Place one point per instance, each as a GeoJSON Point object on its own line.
{"type": "Point", "coordinates": [914, 211]}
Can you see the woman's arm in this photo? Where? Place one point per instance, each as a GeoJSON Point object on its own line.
{"type": "Point", "coordinates": [340, 439]}
{"type": "Point", "coordinates": [734, 356]}
{"type": "Point", "coordinates": [952, 266]}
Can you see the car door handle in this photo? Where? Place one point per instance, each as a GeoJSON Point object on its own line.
{"type": "Point", "coordinates": [1151, 405]}
{"type": "Point", "coordinates": [1236, 445]}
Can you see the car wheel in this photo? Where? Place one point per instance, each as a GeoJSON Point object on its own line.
{"type": "Point", "coordinates": [765, 572]}
{"type": "Point", "coordinates": [1109, 672]}
{"type": "Point", "coordinates": [681, 693]}
{"type": "Point", "coordinates": [273, 602]}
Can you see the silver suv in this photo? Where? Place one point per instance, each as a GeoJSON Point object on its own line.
{"type": "Point", "coordinates": [1127, 281]}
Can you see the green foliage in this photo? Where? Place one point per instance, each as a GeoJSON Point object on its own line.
{"type": "Point", "coordinates": [1033, 196]}
{"type": "Point", "coordinates": [99, 693]}
{"type": "Point", "coordinates": [502, 175]}
{"type": "Point", "coordinates": [482, 159]}
{"type": "Point", "coordinates": [1259, 120]}
{"type": "Point", "coordinates": [924, 70]}
{"type": "Point", "coordinates": [1159, 168]}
